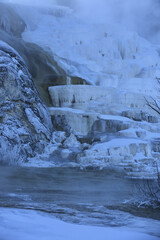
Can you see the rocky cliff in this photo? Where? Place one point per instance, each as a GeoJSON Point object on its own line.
{"type": "Point", "coordinates": [25, 124]}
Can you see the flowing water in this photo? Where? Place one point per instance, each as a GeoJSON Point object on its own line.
{"type": "Point", "coordinates": [93, 197]}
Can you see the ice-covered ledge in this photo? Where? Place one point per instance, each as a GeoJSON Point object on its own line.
{"type": "Point", "coordinates": [83, 122]}
{"type": "Point", "coordinates": [69, 95]}
{"type": "Point", "coordinates": [78, 120]}
{"type": "Point", "coordinates": [83, 96]}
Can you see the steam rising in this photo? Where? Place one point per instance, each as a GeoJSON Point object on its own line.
{"type": "Point", "coordinates": [142, 16]}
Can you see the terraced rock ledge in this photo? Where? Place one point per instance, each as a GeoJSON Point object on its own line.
{"type": "Point", "coordinates": [122, 137]}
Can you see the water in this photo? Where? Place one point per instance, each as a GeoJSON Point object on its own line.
{"type": "Point", "coordinates": [64, 185]}
{"type": "Point", "coordinates": [91, 197]}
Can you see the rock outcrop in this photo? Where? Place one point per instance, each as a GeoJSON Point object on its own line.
{"type": "Point", "coordinates": [25, 124]}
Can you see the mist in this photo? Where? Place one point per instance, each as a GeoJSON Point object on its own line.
{"type": "Point", "coordinates": [141, 16]}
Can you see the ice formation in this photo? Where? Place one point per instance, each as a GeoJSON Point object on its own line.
{"type": "Point", "coordinates": [102, 54]}
{"type": "Point", "coordinates": [99, 76]}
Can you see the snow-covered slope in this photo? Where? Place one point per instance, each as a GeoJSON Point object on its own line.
{"type": "Point", "coordinates": [103, 54]}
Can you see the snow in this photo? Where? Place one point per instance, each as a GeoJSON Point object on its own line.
{"type": "Point", "coordinates": [54, 110]}
{"type": "Point", "coordinates": [79, 120]}
{"type": "Point", "coordinates": [82, 121]}
{"type": "Point", "coordinates": [121, 147]}
{"type": "Point", "coordinates": [103, 98]}
{"type": "Point", "coordinates": [102, 53]}
{"type": "Point", "coordinates": [120, 142]}
{"type": "Point", "coordinates": [32, 225]}
{"type": "Point", "coordinates": [122, 69]}
{"type": "Point", "coordinates": [71, 142]}
{"type": "Point", "coordinates": [113, 117]}
{"type": "Point", "coordinates": [69, 94]}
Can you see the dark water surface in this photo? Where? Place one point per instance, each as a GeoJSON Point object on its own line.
{"type": "Point", "coordinates": [64, 185]}
{"type": "Point", "coordinates": [90, 197]}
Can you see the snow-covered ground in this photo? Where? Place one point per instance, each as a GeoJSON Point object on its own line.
{"type": "Point", "coordinates": [33, 225]}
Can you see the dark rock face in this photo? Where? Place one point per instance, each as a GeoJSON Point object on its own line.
{"type": "Point", "coordinates": [25, 124]}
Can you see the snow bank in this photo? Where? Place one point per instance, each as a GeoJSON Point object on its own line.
{"type": "Point", "coordinates": [31, 225]}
